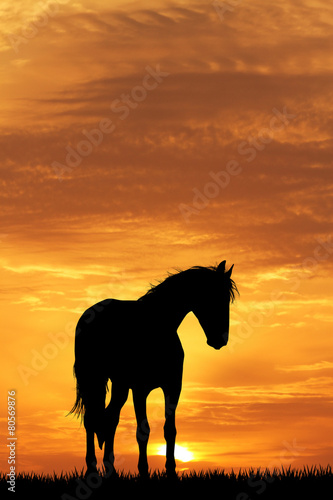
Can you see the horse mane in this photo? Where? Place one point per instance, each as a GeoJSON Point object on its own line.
{"type": "Point", "coordinates": [170, 280]}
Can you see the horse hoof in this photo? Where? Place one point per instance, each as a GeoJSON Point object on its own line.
{"type": "Point", "coordinates": [143, 476]}
{"type": "Point", "coordinates": [172, 474]}
{"type": "Point", "coordinates": [143, 472]}
{"type": "Point", "coordinates": [111, 476]}
{"type": "Point", "coordinates": [90, 470]}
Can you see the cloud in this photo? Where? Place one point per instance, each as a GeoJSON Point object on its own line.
{"type": "Point", "coordinates": [29, 299]}
{"type": "Point", "coordinates": [320, 365]}
{"type": "Point", "coordinates": [62, 273]}
{"type": "Point", "coordinates": [204, 393]}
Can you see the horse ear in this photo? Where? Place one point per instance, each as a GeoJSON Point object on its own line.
{"type": "Point", "coordinates": [221, 267]}
{"type": "Point", "coordinates": [228, 273]}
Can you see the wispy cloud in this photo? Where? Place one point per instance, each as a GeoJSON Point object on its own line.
{"type": "Point", "coordinates": [320, 365]}
{"type": "Point", "coordinates": [64, 272]}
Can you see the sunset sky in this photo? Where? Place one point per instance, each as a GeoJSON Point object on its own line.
{"type": "Point", "coordinates": [138, 138]}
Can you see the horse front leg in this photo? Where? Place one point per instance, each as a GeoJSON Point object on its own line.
{"type": "Point", "coordinates": [143, 429]}
{"type": "Point", "coordinates": [170, 432]}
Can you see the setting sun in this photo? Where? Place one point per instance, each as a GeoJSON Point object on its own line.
{"type": "Point", "coordinates": [181, 453]}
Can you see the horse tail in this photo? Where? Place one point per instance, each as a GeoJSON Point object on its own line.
{"type": "Point", "coordinates": [90, 401]}
{"type": "Point", "coordinates": [78, 407]}
{"type": "Point", "coordinates": [91, 387]}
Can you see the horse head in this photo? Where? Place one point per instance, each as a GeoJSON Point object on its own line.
{"type": "Point", "coordinates": [212, 305]}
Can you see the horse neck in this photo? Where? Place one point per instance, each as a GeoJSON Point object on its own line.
{"type": "Point", "coordinates": [173, 306]}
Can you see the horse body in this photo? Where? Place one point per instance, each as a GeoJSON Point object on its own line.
{"type": "Point", "coordinates": [135, 345]}
{"type": "Point", "coordinates": [124, 341]}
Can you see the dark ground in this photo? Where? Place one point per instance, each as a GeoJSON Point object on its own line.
{"type": "Point", "coordinates": [284, 484]}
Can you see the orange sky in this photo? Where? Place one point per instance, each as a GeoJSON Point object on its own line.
{"type": "Point", "coordinates": [209, 132]}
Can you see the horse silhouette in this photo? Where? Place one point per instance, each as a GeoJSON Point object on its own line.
{"type": "Point", "coordinates": [135, 344]}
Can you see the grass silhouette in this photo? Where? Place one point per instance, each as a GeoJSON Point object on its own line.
{"type": "Point", "coordinates": [250, 484]}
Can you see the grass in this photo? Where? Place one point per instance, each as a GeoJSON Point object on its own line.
{"type": "Point", "coordinates": [252, 484]}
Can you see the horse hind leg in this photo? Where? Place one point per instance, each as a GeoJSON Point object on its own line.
{"type": "Point", "coordinates": [91, 459]}
{"type": "Point", "coordinates": [94, 413]}
{"type": "Point", "coordinates": [119, 396]}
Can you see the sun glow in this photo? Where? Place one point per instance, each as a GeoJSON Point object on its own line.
{"type": "Point", "coordinates": [181, 453]}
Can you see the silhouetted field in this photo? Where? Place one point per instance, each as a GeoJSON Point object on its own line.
{"type": "Point", "coordinates": [313, 482]}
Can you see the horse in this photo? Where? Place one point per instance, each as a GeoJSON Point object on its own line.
{"type": "Point", "coordinates": [135, 345]}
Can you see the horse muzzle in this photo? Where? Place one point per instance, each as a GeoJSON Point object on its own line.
{"type": "Point", "coordinates": [219, 342]}
{"type": "Point", "coordinates": [216, 345]}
